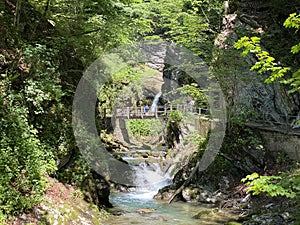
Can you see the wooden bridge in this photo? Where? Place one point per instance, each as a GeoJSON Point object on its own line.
{"type": "Point", "coordinates": [160, 111]}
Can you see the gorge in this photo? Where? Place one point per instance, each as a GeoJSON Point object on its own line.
{"type": "Point", "coordinates": [218, 143]}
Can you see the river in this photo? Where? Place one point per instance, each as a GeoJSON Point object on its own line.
{"type": "Point", "coordinates": [139, 207]}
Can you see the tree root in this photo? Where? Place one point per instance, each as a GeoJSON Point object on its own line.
{"type": "Point", "coordinates": [185, 184]}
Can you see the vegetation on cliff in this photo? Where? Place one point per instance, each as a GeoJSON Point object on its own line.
{"type": "Point", "coordinates": [46, 45]}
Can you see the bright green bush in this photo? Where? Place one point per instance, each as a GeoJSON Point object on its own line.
{"type": "Point", "coordinates": [286, 184]}
{"type": "Point", "coordinates": [33, 127]}
{"type": "Point", "coordinates": [23, 160]}
{"type": "Point", "coordinates": [143, 127]}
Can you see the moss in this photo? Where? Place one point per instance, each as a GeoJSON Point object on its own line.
{"type": "Point", "coordinates": [232, 223]}
{"type": "Point", "coordinates": [73, 211]}
{"type": "Point", "coordinates": [202, 214]}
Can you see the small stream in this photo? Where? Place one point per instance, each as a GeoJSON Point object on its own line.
{"type": "Point", "coordinates": [139, 207]}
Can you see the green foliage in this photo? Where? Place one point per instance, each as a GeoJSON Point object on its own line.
{"type": "Point", "coordinates": [143, 127]}
{"type": "Point", "coordinates": [192, 24]}
{"type": "Point", "coordinates": [173, 128]}
{"type": "Point", "coordinates": [266, 63]}
{"type": "Point", "coordinates": [194, 139]}
{"type": "Point", "coordinates": [286, 184]}
{"type": "Point", "coordinates": [35, 122]}
{"type": "Point", "coordinates": [293, 21]}
{"type": "Point", "coordinates": [2, 218]}
{"type": "Point", "coordinates": [123, 87]}
{"type": "Point", "coordinates": [24, 160]}
{"type": "Point", "coordinates": [77, 173]}
{"type": "Point", "coordinates": [175, 117]}
{"type": "Point", "coordinates": [193, 90]}
{"type": "Point", "coordinates": [43, 95]}
{"type": "Point", "coordinates": [93, 27]}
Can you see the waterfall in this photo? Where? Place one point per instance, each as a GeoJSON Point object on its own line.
{"type": "Point", "coordinates": [149, 179]}
{"type": "Point", "coordinates": [155, 101]}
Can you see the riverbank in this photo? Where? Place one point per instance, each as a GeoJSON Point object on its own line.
{"type": "Point", "coordinates": [62, 205]}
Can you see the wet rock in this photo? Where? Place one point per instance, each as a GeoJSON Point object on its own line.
{"type": "Point", "coordinates": [121, 188]}
{"type": "Point", "coordinates": [201, 195]}
{"type": "Point", "coordinates": [164, 193]}
{"type": "Point", "coordinates": [96, 190]}
{"type": "Point", "coordinates": [267, 219]}
{"type": "Point", "coordinates": [190, 193]}
{"type": "Point", "coordinates": [145, 210]}
{"type": "Point", "coordinates": [145, 155]}
{"type": "Point", "coordinates": [202, 214]}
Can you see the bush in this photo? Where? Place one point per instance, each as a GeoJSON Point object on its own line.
{"type": "Point", "coordinates": [173, 128]}
{"type": "Point", "coordinates": [24, 161]}
{"type": "Point", "coordinates": [286, 184]}
{"type": "Point", "coordinates": [143, 127]}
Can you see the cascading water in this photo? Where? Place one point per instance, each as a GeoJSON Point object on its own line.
{"type": "Point", "coordinates": [155, 101]}
{"type": "Point", "coordinates": [149, 179]}
{"type": "Point", "coordinates": [139, 207]}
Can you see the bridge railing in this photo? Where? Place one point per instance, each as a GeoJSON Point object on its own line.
{"type": "Point", "coordinates": [160, 111]}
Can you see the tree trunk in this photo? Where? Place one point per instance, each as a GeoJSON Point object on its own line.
{"type": "Point", "coordinates": [17, 14]}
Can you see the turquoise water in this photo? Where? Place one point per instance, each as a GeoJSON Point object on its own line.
{"type": "Point", "coordinates": [139, 207]}
{"type": "Point", "coordinates": [160, 212]}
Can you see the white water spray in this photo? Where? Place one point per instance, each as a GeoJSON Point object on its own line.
{"type": "Point", "coordinates": [149, 179]}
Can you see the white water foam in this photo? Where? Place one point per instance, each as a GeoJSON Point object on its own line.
{"type": "Point", "coordinates": [149, 179]}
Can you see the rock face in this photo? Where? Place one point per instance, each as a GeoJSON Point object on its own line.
{"type": "Point", "coordinates": [96, 191]}
{"type": "Point", "coordinates": [207, 186]}
{"type": "Point", "coordinates": [246, 91]}
{"type": "Point", "coordinates": [155, 55]}
{"type": "Point", "coordinates": [248, 97]}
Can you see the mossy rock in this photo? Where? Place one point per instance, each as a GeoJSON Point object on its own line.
{"type": "Point", "coordinates": [232, 223]}
{"type": "Point", "coordinates": [74, 211]}
{"type": "Point", "coordinates": [202, 214]}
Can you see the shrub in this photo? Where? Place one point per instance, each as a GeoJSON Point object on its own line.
{"type": "Point", "coordinates": [286, 184]}
{"type": "Point", "coordinates": [143, 127]}
{"type": "Point", "coordinates": [23, 158]}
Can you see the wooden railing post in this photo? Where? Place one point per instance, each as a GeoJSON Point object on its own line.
{"type": "Point", "coordinates": [142, 112]}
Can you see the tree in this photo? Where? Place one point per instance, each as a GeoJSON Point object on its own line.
{"type": "Point", "coordinates": [266, 63]}
{"type": "Point", "coordinates": [93, 27]}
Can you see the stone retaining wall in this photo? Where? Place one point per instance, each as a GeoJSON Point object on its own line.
{"type": "Point", "coordinates": [277, 141]}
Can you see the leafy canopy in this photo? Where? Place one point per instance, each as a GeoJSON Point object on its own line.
{"type": "Point", "coordinates": [266, 63]}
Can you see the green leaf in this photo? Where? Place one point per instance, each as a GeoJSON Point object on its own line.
{"type": "Point", "coordinates": [295, 49]}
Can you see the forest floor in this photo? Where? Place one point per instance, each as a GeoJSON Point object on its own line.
{"type": "Point", "coordinates": [63, 204]}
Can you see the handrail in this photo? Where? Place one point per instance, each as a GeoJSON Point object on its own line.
{"type": "Point", "coordinates": [160, 111]}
